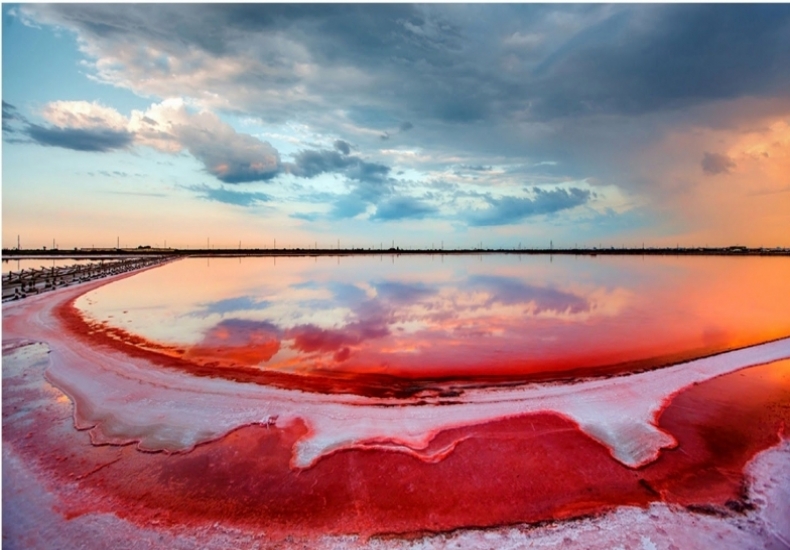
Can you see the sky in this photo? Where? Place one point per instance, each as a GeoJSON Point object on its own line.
{"type": "Point", "coordinates": [373, 125]}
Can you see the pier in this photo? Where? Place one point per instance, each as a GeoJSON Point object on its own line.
{"type": "Point", "coordinates": [29, 282]}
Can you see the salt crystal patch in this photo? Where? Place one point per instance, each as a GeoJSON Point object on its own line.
{"type": "Point", "coordinates": [123, 399]}
{"type": "Point", "coordinates": [182, 411]}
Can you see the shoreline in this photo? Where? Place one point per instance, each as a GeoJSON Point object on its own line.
{"type": "Point", "coordinates": [84, 497]}
{"type": "Point", "coordinates": [83, 253]}
{"type": "Point", "coordinates": [40, 514]}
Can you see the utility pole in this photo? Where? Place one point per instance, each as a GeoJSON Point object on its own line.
{"type": "Point", "coordinates": [117, 243]}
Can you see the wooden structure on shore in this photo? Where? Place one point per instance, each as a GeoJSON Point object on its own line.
{"type": "Point", "coordinates": [27, 282]}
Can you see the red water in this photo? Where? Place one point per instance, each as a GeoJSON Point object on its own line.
{"type": "Point", "coordinates": [388, 333]}
{"type": "Point", "coordinates": [533, 468]}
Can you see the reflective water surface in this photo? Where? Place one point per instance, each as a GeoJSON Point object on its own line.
{"type": "Point", "coordinates": [489, 318]}
{"type": "Point", "coordinates": [413, 420]}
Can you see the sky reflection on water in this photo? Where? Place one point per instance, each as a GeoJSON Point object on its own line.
{"type": "Point", "coordinates": [452, 316]}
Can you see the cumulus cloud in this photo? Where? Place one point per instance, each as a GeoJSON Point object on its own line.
{"type": "Point", "coordinates": [715, 163]}
{"type": "Point", "coordinates": [500, 67]}
{"type": "Point", "coordinates": [510, 210]}
{"type": "Point", "coordinates": [169, 127]}
{"type": "Point", "coordinates": [505, 85]}
{"type": "Point", "coordinates": [80, 139]}
{"type": "Point", "coordinates": [84, 115]}
{"type": "Point", "coordinates": [89, 127]}
{"type": "Point", "coordinates": [311, 163]}
{"type": "Point", "coordinates": [370, 187]}
{"type": "Point", "coordinates": [228, 155]}
{"type": "Point", "coordinates": [429, 62]}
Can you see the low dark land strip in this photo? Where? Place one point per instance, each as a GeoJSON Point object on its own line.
{"type": "Point", "coordinates": [12, 254]}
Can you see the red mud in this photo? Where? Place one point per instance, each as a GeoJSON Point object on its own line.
{"type": "Point", "coordinates": [529, 469]}
{"type": "Point", "coordinates": [533, 468]}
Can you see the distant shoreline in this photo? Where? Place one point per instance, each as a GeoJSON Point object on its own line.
{"type": "Point", "coordinates": [13, 254]}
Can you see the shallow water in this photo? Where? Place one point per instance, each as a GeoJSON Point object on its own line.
{"type": "Point", "coordinates": [486, 318]}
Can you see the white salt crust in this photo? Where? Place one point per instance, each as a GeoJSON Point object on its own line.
{"type": "Point", "coordinates": [121, 399]}
{"type": "Point", "coordinates": [31, 519]}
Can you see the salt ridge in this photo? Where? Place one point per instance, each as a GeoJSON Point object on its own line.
{"type": "Point", "coordinates": [122, 400]}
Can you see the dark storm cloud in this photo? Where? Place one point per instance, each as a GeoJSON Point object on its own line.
{"type": "Point", "coordinates": [649, 58]}
{"type": "Point", "coordinates": [586, 86]}
{"type": "Point", "coordinates": [238, 198]}
{"type": "Point", "coordinates": [80, 139]}
{"type": "Point", "coordinates": [715, 163]}
{"type": "Point", "coordinates": [460, 64]}
{"type": "Point", "coordinates": [510, 210]}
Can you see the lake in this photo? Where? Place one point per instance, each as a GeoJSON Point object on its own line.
{"type": "Point", "coordinates": [395, 394]}
{"type": "Point", "coordinates": [494, 318]}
